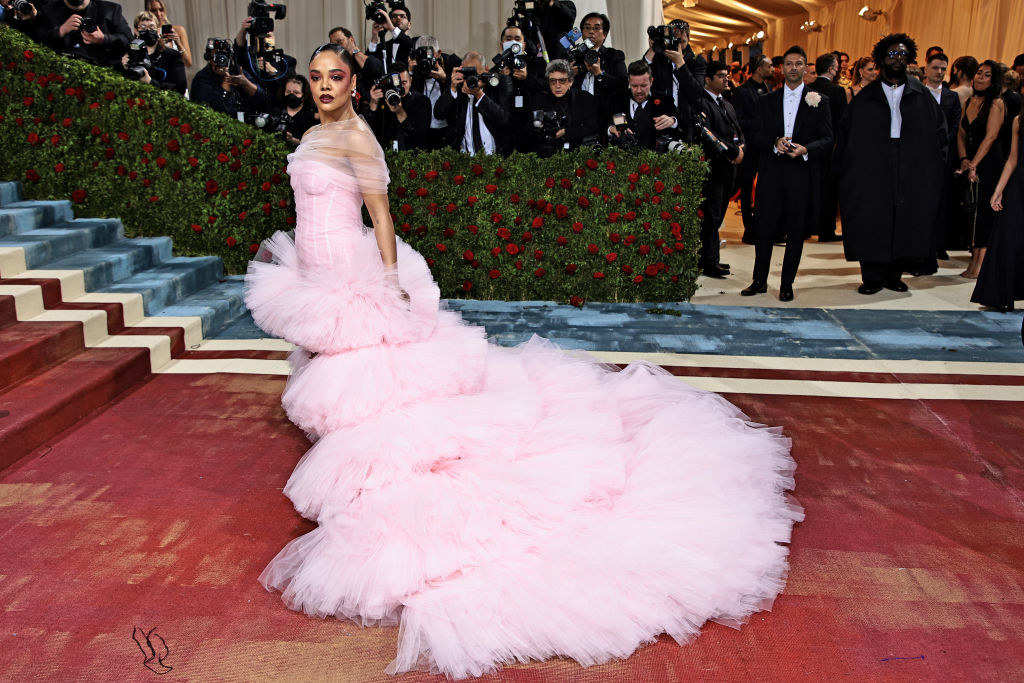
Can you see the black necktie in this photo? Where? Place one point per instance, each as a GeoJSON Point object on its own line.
{"type": "Point", "coordinates": [478, 141]}
{"type": "Point", "coordinates": [721, 102]}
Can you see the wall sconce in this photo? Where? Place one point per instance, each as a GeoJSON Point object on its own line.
{"type": "Point", "coordinates": [810, 27]}
{"type": "Point", "coordinates": [730, 46]}
{"type": "Point", "coordinates": [868, 14]}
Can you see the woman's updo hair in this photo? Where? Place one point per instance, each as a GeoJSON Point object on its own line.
{"type": "Point", "coordinates": [345, 55]}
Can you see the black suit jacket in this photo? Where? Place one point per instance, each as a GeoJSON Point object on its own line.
{"type": "Point", "coordinates": [642, 122]}
{"type": "Point", "coordinates": [383, 50]}
{"type": "Point", "coordinates": [744, 101]}
{"type": "Point", "coordinates": [812, 129]}
{"type": "Point", "coordinates": [836, 96]}
{"type": "Point", "coordinates": [949, 103]}
{"type": "Point", "coordinates": [409, 134]}
{"type": "Point", "coordinates": [613, 74]}
{"type": "Point", "coordinates": [581, 109]}
{"type": "Point", "coordinates": [109, 19]}
{"type": "Point", "coordinates": [494, 108]}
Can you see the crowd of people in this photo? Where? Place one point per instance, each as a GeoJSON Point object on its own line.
{"type": "Point", "coordinates": [554, 84]}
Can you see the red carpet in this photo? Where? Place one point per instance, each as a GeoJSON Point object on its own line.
{"type": "Point", "coordinates": [161, 511]}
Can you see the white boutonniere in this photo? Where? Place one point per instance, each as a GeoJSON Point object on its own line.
{"type": "Point", "coordinates": [812, 99]}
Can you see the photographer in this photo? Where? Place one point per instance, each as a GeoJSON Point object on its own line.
{"type": "Point", "coordinates": [391, 28]}
{"type": "Point", "coordinates": [181, 43]}
{"type": "Point", "coordinates": [669, 48]}
{"type": "Point", "coordinates": [476, 111]}
{"type": "Point", "coordinates": [648, 114]}
{"type": "Point", "coordinates": [298, 113]}
{"type": "Point", "coordinates": [430, 68]}
{"type": "Point", "coordinates": [604, 74]}
{"type": "Point", "coordinates": [543, 22]}
{"type": "Point", "coordinates": [94, 30]}
{"type": "Point", "coordinates": [152, 58]}
{"type": "Point", "coordinates": [564, 118]}
{"type": "Point", "coordinates": [370, 68]}
{"type": "Point", "coordinates": [261, 61]}
{"type": "Point", "coordinates": [222, 86]}
{"type": "Point", "coordinates": [399, 117]}
{"type": "Point", "coordinates": [527, 75]}
{"type": "Point", "coordinates": [21, 15]}
{"type": "Point", "coordinates": [722, 139]}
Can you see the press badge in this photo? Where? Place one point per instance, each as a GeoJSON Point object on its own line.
{"type": "Point", "coordinates": [519, 101]}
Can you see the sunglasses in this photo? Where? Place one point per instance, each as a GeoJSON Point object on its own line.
{"type": "Point", "coordinates": [558, 81]}
{"type": "Point", "coordinates": [897, 53]}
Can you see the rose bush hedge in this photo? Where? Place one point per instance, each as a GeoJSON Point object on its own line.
{"type": "Point", "coordinates": [580, 226]}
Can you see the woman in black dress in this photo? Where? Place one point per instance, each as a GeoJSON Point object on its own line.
{"type": "Point", "coordinates": [1001, 281]}
{"type": "Point", "coordinates": [981, 153]}
{"type": "Point", "coordinates": [298, 109]}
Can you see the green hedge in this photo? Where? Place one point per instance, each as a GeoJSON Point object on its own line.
{"type": "Point", "coordinates": [606, 226]}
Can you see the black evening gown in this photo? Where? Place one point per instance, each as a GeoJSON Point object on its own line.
{"type": "Point", "coordinates": [1001, 280]}
{"type": "Point", "coordinates": [989, 170]}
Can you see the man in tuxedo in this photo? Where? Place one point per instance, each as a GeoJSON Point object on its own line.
{"type": "Point", "coordinates": [432, 83]}
{"type": "Point", "coordinates": [607, 75]}
{"type": "Point", "coordinates": [949, 103]}
{"type": "Point", "coordinates": [891, 159]}
{"type": "Point", "coordinates": [723, 149]}
{"type": "Point", "coordinates": [664, 67]}
{"type": "Point", "coordinates": [60, 23]}
{"type": "Point", "coordinates": [527, 83]}
{"type": "Point", "coordinates": [648, 114]}
{"type": "Point", "coordinates": [370, 68]}
{"type": "Point", "coordinates": [793, 135]}
{"type": "Point", "coordinates": [404, 125]}
{"type": "Point", "coordinates": [744, 100]}
{"type": "Point", "coordinates": [578, 107]}
{"type": "Point", "coordinates": [477, 116]}
{"type": "Point", "coordinates": [393, 42]}
{"type": "Point", "coordinates": [827, 67]}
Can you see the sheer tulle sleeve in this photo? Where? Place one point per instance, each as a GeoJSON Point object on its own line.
{"type": "Point", "coordinates": [350, 148]}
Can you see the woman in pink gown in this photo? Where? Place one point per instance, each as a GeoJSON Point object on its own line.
{"type": "Point", "coordinates": [499, 504]}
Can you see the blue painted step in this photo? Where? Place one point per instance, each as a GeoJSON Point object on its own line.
{"type": "Point", "coordinates": [219, 305]}
{"type": "Point", "coordinates": [114, 262]}
{"type": "Point", "coordinates": [9, 192]}
{"type": "Point", "coordinates": [22, 216]}
{"type": "Point", "coordinates": [169, 282]}
{"type": "Point", "coordinates": [44, 245]}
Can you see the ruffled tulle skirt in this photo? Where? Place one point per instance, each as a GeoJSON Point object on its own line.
{"type": "Point", "coordinates": [508, 504]}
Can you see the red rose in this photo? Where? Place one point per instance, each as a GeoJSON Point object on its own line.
{"type": "Point", "coordinates": [468, 255]}
{"type": "Point", "coordinates": [583, 202]}
{"type": "Point", "coordinates": [406, 209]}
{"type": "Point", "coordinates": [231, 241]}
{"type": "Point", "coordinates": [610, 257]}
{"type": "Point", "coordinates": [700, 213]}
{"type": "Point", "coordinates": [223, 158]}
{"type": "Point", "coordinates": [595, 190]}
{"type": "Point", "coordinates": [109, 96]}
{"type": "Point", "coordinates": [477, 169]}
{"type": "Point", "coordinates": [659, 242]}
{"type": "Point", "coordinates": [29, 54]}
{"type": "Point", "coordinates": [592, 164]}
{"type": "Point", "coordinates": [123, 136]}
{"type": "Point", "coordinates": [514, 198]}
{"type": "Point", "coordinates": [539, 272]}
{"type": "Point", "coordinates": [610, 165]}
{"type": "Point", "coordinates": [154, 199]}
{"type": "Point", "coordinates": [132, 175]}
{"type": "Point", "coordinates": [431, 176]}
{"type": "Point", "coordinates": [644, 249]}
{"type": "Point", "coordinates": [121, 170]}
{"type": "Point", "coordinates": [571, 268]}
{"type": "Point", "coordinates": [494, 273]}
{"type": "Point", "coordinates": [193, 162]}
{"type": "Point", "coordinates": [651, 270]}
{"type": "Point", "coordinates": [495, 251]}
{"type": "Point", "coordinates": [638, 279]}
{"type": "Point", "coordinates": [498, 171]}
{"type": "Point", "coordinates": [677, 189]}
{"type": "Point", "coordinates": [212, 187]}
{"type": "Point", "coordinates": [177, 174]}
{"type": "Point", "coordinates": [630, 215]}
{"type": "Point", "coordinates": [598, 275]}
{"type": "Point", "coordinates": [196, 227]}
{"type": "Point", "coordinates": [577, 227]}
{"type": "Point", "coordinates": [467, 285]}
{"type": "Point", "coordinates": [224, 193]}
{"type": "Point", "coordinates": [504, 233]}
{"type": "Point", "coordinates": [579, 174]}
{"type": "Point", "coordinates": [527, 236]}
{"type": "Point", "coordinates": [562, 241]}
{"type": "Point", "coordinates": [518, 220]}
{"type": "Point", "coordinates": [679, 246]}
{"type": "Point", "coordinates": [549, 183]}
{"type": "Point", "coordinates": [78, 196]}
{"type": "Point", "coordinates": [450, 208]}
{"type": "Point", "coordinates": [30, 76]}
{"type": "Point", "coordinates": [459, 179]}
{"type": "Point", "coordinates": [519, 265]}
{"type": "Point", "coordinates": [566, 183]}
{"type": "Point", "coordinates": [512, 248]}
{"type": "Point", "coordinates": [627, 269]}
{"type": "Point", "coordinates": [448, 232]}
{"type": "Point", "coordinates": [614, 217]}
{"type": "Point", "coordinates": [211, 219]}
{"type": "Point", "coordinates": [562, 211]}
{"type": "Point", "coordinates": [618, 198]}
{"type": "Point", "coordinates": [615, 237]}
{"type": "Point", "coordinates": [430, 262]}
{"type": "Point", "coordinates": [644, 168]}
{"type": "Point", "coordinates": [32, 175]}
{"type": "Point", "coordinates": [496, 217]}
{"type": "Point", "coordinates": [446, 166]}
{"type": "Point", "coordinates": [490, 189]}
{"type": "Point", "coordinates": [28, 101]}
{"type": "Point", "coordinates": [147, 148]}
{"type": "Point", "coordinates": [59, 168]}
{"type": "Point", "coordinates": [173, 145]}
{"type": "Point", "coordinates": [441, 247]}
{"type": "Point", "coordinates": [161, 162]}
{"type": "Point", "coordinates": [412, 174]}
{"type": "Point", "coordinates": [665, 215]}
{"type": "Point", "coordinates": [592, 249]}
{"type": "Point", "coordinates": [421, 192]}
{"type": "Point", "coordinates": [186, 128]}
{"type": "Point", "coordinates": [33, 138]}
{"type": "Point", "coordinates": [538, 222]}
{"type": "Point", "coordinates": [633, 177]}
{"type": "Point", "coordinates": [658, 186]}
{"type": "Point", "coordinates": [94, 105]}
{"type": "Point", "coordinates": [146, 182]}
{"type": "Point", "coordinates": [472, 229]}
{"type": "Point", "coordinates": [576, 301]}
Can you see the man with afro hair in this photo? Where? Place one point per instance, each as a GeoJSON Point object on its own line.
{"type": "Point", "coordinates": [891, 150]}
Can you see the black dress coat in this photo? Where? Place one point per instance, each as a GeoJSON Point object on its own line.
{"type": "Point", "coordinates": [580, 108]}
{"type": "Point", "coordinates": [108, 17]}
{"type": "Point", "coordinates": [836, 96]}
{"type": "Point", "coordinates": [408, 134]}
{"type": "Point", "coordinates": [884, 217]}
{"type": "Point", "coordinates": [494, 108]}
{"type": "Point", "coordinates": [812, 129]}
{"type": "Point", "coordinates": [642, 123]}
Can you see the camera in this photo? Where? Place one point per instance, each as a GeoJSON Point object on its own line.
{"type": "Point", "coordinates": [391, 84]}
{"type": "Point", "coordinates": [21, 7]}
{"type": "Point", "coordinates": [511, 59]}
{"type": "Point", "coordinates": [625, 139]}
{"type": "Point", "coordinates": [426, 60]}
{"type": "Point", "coordinates": [263, 14]}
{"type": "Point", "coordinates": [549, 122]}
{"type": "Point", "coordinates": [663, 38]}
{"type": "Point", "coordinates": [149, 36]}
{"type": "Point", "coordinates": [272, 124]}
{"type": "Point", "coordinates": [579, 50]}
{"type": "Point", "coordinates": [219, 52]}
{"type": "Point", "coordinates": [377, 12]}
{"type": "Point", "coordinates": [88, 25]}
{"type": "Point", "coordinates": [138, 59]}
{"type": "Point", "coordinates": [700, 126]}
{"type": "Point", "coordinates": [522, 13]}
{"type": "Point", "coordinates": [667, 143]}
{"type": "Point", "coordinates": [476, 80]}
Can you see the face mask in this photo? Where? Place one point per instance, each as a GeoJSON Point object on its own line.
{"type": "Point", "coordinates": [293, 100]}
{"type": "Point", "coordinates": [149, 36]}
{"type": "Point", "coordinates": [509, 43]}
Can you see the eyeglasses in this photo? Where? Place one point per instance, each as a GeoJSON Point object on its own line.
{"type": "Point", "coordinates": [593, 27]}
{"type": "Point", "coordinates": [558, 81]}
{"type": "Point", "coordinates": [897, 53]}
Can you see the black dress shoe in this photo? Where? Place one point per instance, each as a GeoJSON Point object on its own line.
{"type": "Point", "coordinates": [715, 272]}
{"type": "Point", "coordinates": [786, 293]}
{"type": "Point", "coordinates": [755, 288]}
{"type": "Point", "coordinates": [830, 238]}
{"type": "Point", "coordinates": [924, 271]}
{"type": "Point", "coordinates": [942, 256]}
{"type": "Point", "coordinates": [865, 288]}
{"type": "Point", "coordinates": [724, 266]}
{"type": "Point", "coordinates": [896, 285]}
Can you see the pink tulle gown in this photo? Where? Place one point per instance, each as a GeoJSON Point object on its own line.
{"type": "Point", "coordinates": [499, 504]}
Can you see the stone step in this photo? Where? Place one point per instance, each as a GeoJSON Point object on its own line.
{"type": "Point", "coordinates": [218, 305]}
{"type": "Point", "coordinates": [42, 406]}
{"type": "Point", "coordinates": [22, 216]}
{"type": "Point", "coordinates": [169, 282]}
{"type": "Point", "coordinates": [43, 245]}
{"type": "Point", "coordinates": [9, 192]}
{"type": "Point", "coordinates": [115, 262]}
{"type": "Point", "coordinates": [28, 348]}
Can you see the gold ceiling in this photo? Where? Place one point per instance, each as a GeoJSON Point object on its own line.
{"type": "Point", "coordinates": [716, 22]}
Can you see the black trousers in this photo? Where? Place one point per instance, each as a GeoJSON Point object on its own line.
{"type": "Point", "coordinates": [717, 190]}
{"type": "Point", "coordinates": [785, 212]}
{"type": "Point", "coordinates": [745, 180]}
{"type": "Point", "coordinates": [826, 223]}
{"type": "Point", "coordinates": [880, 272]}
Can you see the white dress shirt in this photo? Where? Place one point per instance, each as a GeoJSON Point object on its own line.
{"type": "Point", "coordinates": [588, 83]}
{"type": "Point", "coordinates": [485, 134]}
{"type": "Point", "coordinates": [790, 107]}
{"type": "Point", "coordinates": [894, 95]}
{"type": "Point", "coordinates": [936, 93]}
